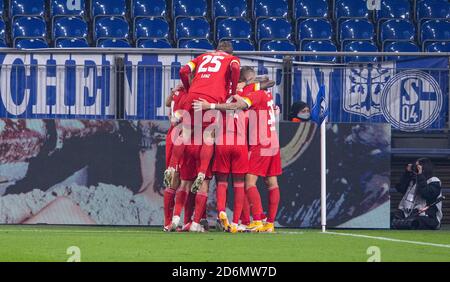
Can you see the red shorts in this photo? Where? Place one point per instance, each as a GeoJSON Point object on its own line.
{"type": "Point", "coordinates": [186, 102]}
{"type": "Point", "coordinates": [264, 161]}
{"type": "Point", "coordinates": [231, 159]}
{"type": "Point", "coordinates": [191, 163]}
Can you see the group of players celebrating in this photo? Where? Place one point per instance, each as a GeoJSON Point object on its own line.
{"type": "Point", "coordinates": [223, 124]}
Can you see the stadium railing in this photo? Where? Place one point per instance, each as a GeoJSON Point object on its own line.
{"type": "Point", "coordinates": [279, 65]}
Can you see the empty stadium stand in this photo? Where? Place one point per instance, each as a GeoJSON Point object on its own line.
{"type": "Point", "coordinates": [252, 24]}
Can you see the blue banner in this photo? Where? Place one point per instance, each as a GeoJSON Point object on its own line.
{"type": "Point", "coordinates": [56, 86]}
{"type": "Point", "coordinates": [411, 95]}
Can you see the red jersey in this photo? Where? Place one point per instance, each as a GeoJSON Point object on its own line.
{"type": "Point", "coordinates": [249, 88]}
{"type": "Point", "coordinates": [262, 121]}
{"type": "Point", "coordinates": [212, 75]}
{"type": "Point", "coordinates": [176, 98]}
{"type": "Point", "coordinates": [234, 127]}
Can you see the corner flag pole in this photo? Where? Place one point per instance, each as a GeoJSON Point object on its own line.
{"type": "Point", "coordinates": [323, 174]}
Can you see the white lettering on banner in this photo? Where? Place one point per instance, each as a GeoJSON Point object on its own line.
{"type": "Point", "coordinates": [41, 106]}
{"type": "Point", "coordinates": [131, 89]}
{"type": "Point", "coordinates": [311, 83]}
{"type": "Point", "coordinates": [6, 87]}
{"type": "Point", "coordinates": [86, 82]}
{"type": "Point", "coordinates": [60, 107]}
{"type": "Point", "coordinates": [73, 5]}
{"type": "Point", "coordinates": [373, 5]}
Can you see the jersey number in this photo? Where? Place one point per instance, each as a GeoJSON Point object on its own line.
{"type": "Point", "coordinates": [215, 64]}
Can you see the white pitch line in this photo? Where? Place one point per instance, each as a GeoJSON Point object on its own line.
{"type": "Point", "coordinates": [388, 239]}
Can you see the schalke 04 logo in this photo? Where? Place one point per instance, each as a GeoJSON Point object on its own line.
{"type": "Point", "coordinates": [412, 100]}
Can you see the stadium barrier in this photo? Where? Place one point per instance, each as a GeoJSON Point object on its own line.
{"type": "Point", "coordinates": [410, 94]}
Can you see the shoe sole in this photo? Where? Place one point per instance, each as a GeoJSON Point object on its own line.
{"type": "Point", "coordinates": [225, 223]}
{"type": "Point", "coordinates": [167, 178]}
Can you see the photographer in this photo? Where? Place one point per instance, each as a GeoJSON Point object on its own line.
{"type": "Point", "coordinates": [420, 207]}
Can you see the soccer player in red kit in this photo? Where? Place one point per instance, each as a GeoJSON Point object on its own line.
{"type": "Point", "coordinates": [215, 78]}
{"type": "Point", "coordinates": [231, 156]}
{"type": "Point", "coordinates": [172, 101]}
{"type": "Point", "coordinates": [264, 159]}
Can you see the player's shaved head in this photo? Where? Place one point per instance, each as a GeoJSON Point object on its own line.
{"type": "Point", "coordinates": [225, 46]}
{"type": "Point", "coordinates": [247, 73]}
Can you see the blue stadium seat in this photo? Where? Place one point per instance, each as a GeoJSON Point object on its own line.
{"type": "Point", "coordinates": [154, 43]}
{"type": "Point", "coordinates": [242, 45]}
{"type": "Point", "coordinates": [229, 8]}
{"type": "Point", "coordinates": [27, 8]}
{"type": "Point", "coordinates": [441, 47]}
{"type": "Point", "coordinates": [31, 43]}
{"type": "Point", "coordinates": [192, 28]}
{"type": "Point", "coordinates": [306, 9]}
{"type": "Point", "coordinates": [2, 30]}
{"type": "Point", "coordinates": [270, 8]}
{"type": "Point", "coordinates": [397, 30]}
{"type": "Point", "coordinates": [273, 29]}
{"type": "Point", "coordinates": [345, 9]}
{"type": "Point", "coordinates": [400, 46]}
{"type": "Point", "coordinates": [2, 8]}
{"type": "Point", "coordinates": [114, 43]}
{"type": "Point", "coordinates": [394, 9]}
{"type": "Point", "coordinates": [233, 28]}
{"type": "Point", "coordinates": [360, 46]}
{"type": "Point", "coordinates": [314, 29]}
{"type": "Point", "coordinates": [111, 27]}
{"type": "Point", "coordinates": [278, 45]}
{"type": "Point", "coordinates": [434, 30]}
{"type": "Point", "coordinates": [356, 30]}
{"type": "Point", "coordinates": [432, 9]}
{"type": "Point", "coordinates": [148, 8]}
{"type": "Point", "coordinates": [151, 28]}
{"type": "Point", "coordinates": [67, 8]}
{"type": "Point", "coordinates": [196, 44]}
{"type": "Point", "coordinates": [319, 46]}
{"type": "Point", "coordinates": [189, 8]}
{"type": "Point", "coordinates": [71, 43]}
{"type": "Point", "coordinates": [108, 8]}
{"type": "Point", "coordinates": [29, 27]}
{"type": "Point", "coordinates": [3, 44]}
{"type": "Point", "coordinates": [70, 27]}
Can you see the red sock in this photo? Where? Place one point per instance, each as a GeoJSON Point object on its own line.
{"type": "Point", "coordinates": [169, 202]}
{"type": "Point", "coordinates": [200, 205]}
{"type": "Point", "coordinates": [177, 154]}
{"type": "Point", "coordinates": [245, 215]}
{"type": "Point", "coordinates": [254, 199]}
{"type": "Point", "coordinates": [274, 200]}
{"type": "Point", "coordinates": [206, 153]}
{"type": "Point", "coordinates": [239, 199]}
{"type": "Point", "coordinates": [221, 196]}
{"type": "Point", "coordinates": [180, 200]}
{"type": "Point", "coordinates": [204, 211]}
{"type": "Point", "coordinates": [189, 208]}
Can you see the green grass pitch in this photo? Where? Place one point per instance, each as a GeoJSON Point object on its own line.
{"type": "Point", "coordinates": [50, 244]}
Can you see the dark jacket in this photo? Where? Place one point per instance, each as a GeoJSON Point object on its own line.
{"type": "Point", "coordinates": [427, 189]}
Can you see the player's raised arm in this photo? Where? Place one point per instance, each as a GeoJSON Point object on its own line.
{"type": "Point", "coordinates": [239, 104]}
{"type": "Point", "coordinates": [186, 71]}
{"type": "Point", "coordinates": [235, 67]}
